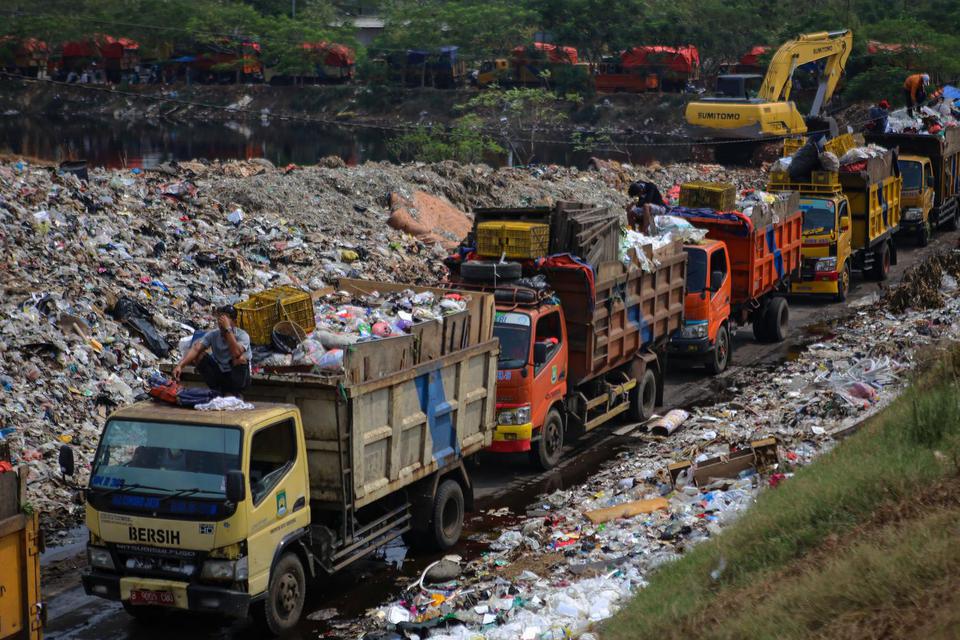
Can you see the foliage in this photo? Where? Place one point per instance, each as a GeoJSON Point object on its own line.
{"type": "Point", "coordinates": [465, 142]}
{"type": "Point", "coordinates": [524, 115]}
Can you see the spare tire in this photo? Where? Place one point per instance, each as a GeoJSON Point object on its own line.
{"type": "Point", "coordinates": [489, 271]}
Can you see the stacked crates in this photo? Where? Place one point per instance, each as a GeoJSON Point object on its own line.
{"type": "Point", "coordinates": [260, 312]}
{"type": "Point", "coordinates": [517, 240]}
{"type": "Point", "coordinates": [719, 196]}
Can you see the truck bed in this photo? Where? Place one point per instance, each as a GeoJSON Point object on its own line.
{"type": "Point", "coordinates": [760, 258]}
{"type": "Point", "coordinates": [944, 153]}
{"type": "Point", "coordinates": [625, 311]}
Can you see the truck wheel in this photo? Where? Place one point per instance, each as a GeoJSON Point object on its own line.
{"type": "Point", "coordinates": [643, 397]}
{"type": "Point", "coordinates": [721, 352]}
{"type": "Point", "coordinates": [777, 320]}
{"type": "Point", "coordinates": [923, 235]}
{"type": "Point", "coordinates": [881, 263]}
{"type": "Point", "coordinates": [285, 595]}
{"type": "Point", "coordinates": [488, 270]}
{"type": "Point", "coordinates": [843, 284]}
{"type": "Point", "coordinates": [760, 322]}
{"type": "Point", "coordinates": [549, 447]}
{"type": "Point", "coordinates": [448, 512]}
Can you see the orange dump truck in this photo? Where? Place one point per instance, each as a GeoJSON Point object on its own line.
{"type": "Point", "coordinates": [734, 276]}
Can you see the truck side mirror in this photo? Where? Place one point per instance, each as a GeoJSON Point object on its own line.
{"type": "Point", "coordinates": [716, 281]}
{"type": "Point", "coordinates": [539, 353]}
{"type": "Point", "coordinates": [236, 486]}
{"type": "Point", "coordinates": [930, 181]}
{"type": "Point", "coordinates": [66, 461]}
{"type": "Point", "coordinates": [844, 223]}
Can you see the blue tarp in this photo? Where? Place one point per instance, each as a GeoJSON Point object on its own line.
{"type": "Point", "coordinates": [951, 92]}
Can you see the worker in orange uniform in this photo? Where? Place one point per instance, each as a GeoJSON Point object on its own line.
{"type": "Point", "coordinates": [915, 91]}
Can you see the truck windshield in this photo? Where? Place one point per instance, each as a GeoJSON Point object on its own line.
{"type": "Point", "coordinates": [162, 458]}
{"type": "Point", "coordinates": [818, 216]}
{"type": "Point", "coordinates": [912, 173]}
{"type": "Point", "coordinates": [696, 269]}
{"type": "Point", "coordinates": [513, 329]}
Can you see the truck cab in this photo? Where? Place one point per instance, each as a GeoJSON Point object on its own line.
{"type": "Point", "coordinates": [706, 309]}
{"type": "Point", "coordinates": [531, 377]}
{"type": "Point", "coordinates": [186, 509]}
{"type": "Point", "coordinates": [917, 197]}
{"type": "Point", "coordinates": [827, 234]}
{"type": "Point", "coordinates": [493, 71]}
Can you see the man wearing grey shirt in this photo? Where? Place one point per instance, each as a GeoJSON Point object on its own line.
{"type": "Point", "coordinates": [224, 355]}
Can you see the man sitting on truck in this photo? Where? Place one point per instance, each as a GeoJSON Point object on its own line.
{"type": "Point", "coordinates": [226, 368]}
{"type": "Point", "coordinates": [649, 203]}
{"type": "Point", "coordinates": [914, 91]}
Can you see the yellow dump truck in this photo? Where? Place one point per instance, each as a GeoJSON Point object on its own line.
{"type": "Point", "coordinates": [849, 220]}
{"type": "Point", "coordinates": [233, 512]}
{"type": "Point", "coordinates": [930, 166]}
{"type": "Point", "coordinates": [22, 612]}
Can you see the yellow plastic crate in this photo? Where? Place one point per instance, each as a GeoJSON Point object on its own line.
{"type": "Point", "coordinates": [720, 196]}
{"type": "Point", "coordinates": [513, 239]}
{"type": "Point", "coordinates": [825, 177]}
{"type": "Point", "coordinates": [258, 314]}
{"type": "Point", "coordinates": [840, 145]}
{"type": "Point", "coordinates": [792, 145]}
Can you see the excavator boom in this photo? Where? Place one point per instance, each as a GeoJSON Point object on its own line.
{"type": "Point", "coordinates": [832, 46]}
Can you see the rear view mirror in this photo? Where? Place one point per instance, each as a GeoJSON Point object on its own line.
{"type": "Point", "coordinates": [236, 486]}
{"type": "Point", "coordinates": [930, 181]}
{"type": "Point", "coordinates": [844, 223]}
{"type": "Point", "coordinates": [716, 280]}
{"type": "Point", "coordinates": [66, 461]}
{"type": "Point", "coordinates": [539, 353]}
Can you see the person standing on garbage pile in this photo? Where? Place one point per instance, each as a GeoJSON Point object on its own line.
{"type": "Point", "coordinates": [649, 203]}
{"type": "Point", "coordinates": [914, 91]}
{"type": "Point", "coordinates": [226, 368]}
{"type": "Point", "coordinates": [879, 113]}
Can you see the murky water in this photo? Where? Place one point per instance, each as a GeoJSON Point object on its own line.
{"type": "Point", "coordinates": [145, 144]}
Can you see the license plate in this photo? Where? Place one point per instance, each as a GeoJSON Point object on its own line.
{"type": "Point", "coordinates": [151, 597]}
{"type": "Point", "coordinates": [692, 348]}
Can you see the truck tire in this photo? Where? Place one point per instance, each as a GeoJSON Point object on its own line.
{"type": "Point", "coordinates": [488, 271]}
{"type": "Point", "coordinates": [448, 511]}
{"type": "Point", "coordinates": [643, 397]}
{"type": "Point", "coordinates": [760, 323]}
{"type": "Point", "coordinates": [720, 357]}
{"type": "Point", "coordinates": [843, 284]}
{"type": "Point", "coordinates": [923, 235]}
{"type": "Point", "coordinates": [549, 447]}
{"type": "Point", "coordinates": [777, 320]}
{"type": "Point", "coordinates": [285, 595]}
{"type": "Point", "coordinates": [881, 263]}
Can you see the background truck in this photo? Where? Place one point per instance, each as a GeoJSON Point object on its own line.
{"type": "Point", "coordinates": [227, 511]}
{"type": "Point", "coordinates": [930, 167]}
{"type": "Point", "coordinates": [849, 220]}
{"type": "Point", "coordinates": [22, 612]}
{"type": "Point", "coordinates": [582, 338]}
{"type": "Point", "coordinates": [736, 276]}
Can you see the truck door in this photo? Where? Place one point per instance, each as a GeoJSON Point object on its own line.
{"type": "Point", "coordinates": [277, 494]}
{"type": "Point", "coordinates": [720, 298]}
{"type": "Point", "coordinates": [550, 371]}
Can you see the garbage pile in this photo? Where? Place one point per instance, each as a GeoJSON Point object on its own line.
{"type": "Point", "coordinates": [576, 555]}
{"type": "Point", "coordinates": [929, 120]}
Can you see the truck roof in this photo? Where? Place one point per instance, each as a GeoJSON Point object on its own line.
{"type": "Point", "coordinates": [149, 410]}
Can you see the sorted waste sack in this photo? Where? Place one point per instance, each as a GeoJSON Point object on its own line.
{"type": "Point", "coordinates": [805, 160]}
{"type": "Point", "coordinates": [139, 319]}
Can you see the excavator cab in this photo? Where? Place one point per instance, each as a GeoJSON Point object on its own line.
{"type": "Point", "coordinates": [738, 86]}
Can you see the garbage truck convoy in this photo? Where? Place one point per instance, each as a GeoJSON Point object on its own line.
{"type": "Point", "coordinates": [233, 512]}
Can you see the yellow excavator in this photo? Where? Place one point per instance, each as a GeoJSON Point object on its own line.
{"type": "Point", "coordinates": [742, 111]}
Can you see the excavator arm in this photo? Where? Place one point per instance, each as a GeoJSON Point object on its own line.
{"type": "Point", "coordinates": [832, 46]}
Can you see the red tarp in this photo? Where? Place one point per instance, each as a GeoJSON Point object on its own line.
{"type": "Point", "coordinates": [683, 60]}
{"type": "Point", "coordinates": [875, 46]}
{"type": "Point", "coordinates": [752, 57]}
{"type": "Point", "coordinates": [555, 53]}
{"type": "Point", "coordinates": [334, 55]}
{"type": "Point", "coordinates": [113, 48]}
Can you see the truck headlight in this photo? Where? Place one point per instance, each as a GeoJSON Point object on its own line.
{"type": "Point", "coordinates": [913, 214]}
{"type": "Point", "coordinates": [694, 331]}
{"type": "Point", "coordinates": [826, 264]}
{"type": "Point", "coordinates": [514, 415]}
{"type": "Point", "coordinates": [221, 570]}
{"type": "Point", "coordinates": [100, 558]}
